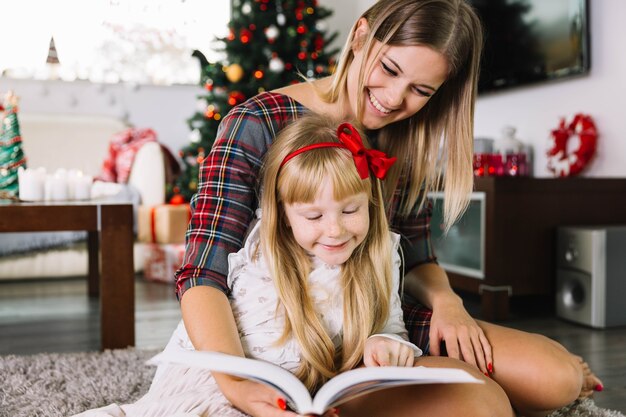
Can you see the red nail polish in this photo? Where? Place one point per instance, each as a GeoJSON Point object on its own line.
{"type": "Point", "coordinates": [336, 411]}
{"type": "Point", "coordinates": [487, 375]}
{"type": "Point", "coordinates": [281, 403]}
{"type": "Point", "coordinates": [598, 387]}
{"type": "Point", "coordinates": [490, 367]}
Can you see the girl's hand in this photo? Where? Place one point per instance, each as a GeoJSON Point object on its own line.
{"type": "Point", "coordinates": [382, 351]}
{"type": "Point", "coordinates": [463, 337]}
{"type": "Point", "coordinates": [253, 398]}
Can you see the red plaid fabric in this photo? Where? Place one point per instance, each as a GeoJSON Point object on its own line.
{"type": "Point", "coordinates": [223, 208]}
{"type": "Point", "coordinates": [123, 147]}
{"type": "Point", "coordinates": [417, 322]}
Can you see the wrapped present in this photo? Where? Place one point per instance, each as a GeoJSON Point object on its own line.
{"type": "Point", "coordinates": [165, 223]}
{"type": "Point", "coordinates": [162, 260]}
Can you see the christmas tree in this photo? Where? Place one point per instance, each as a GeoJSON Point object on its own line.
{"type": "Point", "coordinates": [11, 154]}
{"type": "Point", "coordinates": [270, 45]}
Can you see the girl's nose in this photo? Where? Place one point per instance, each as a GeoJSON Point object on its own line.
{"type": "Point", "coordinates": [334, 228]}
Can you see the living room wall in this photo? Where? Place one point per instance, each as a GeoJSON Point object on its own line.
{"type": "Point", "coordinates": [162, 108]}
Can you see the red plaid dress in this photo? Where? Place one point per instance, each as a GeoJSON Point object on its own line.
{"type": "Point", "coordinates": [223, 208]}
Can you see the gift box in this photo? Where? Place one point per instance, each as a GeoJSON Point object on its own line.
{"type": "Point", "coordinates": [165, 223]}
{"type": "Point", "coordinates": [162, 260]}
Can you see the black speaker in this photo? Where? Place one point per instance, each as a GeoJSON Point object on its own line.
{"type": "Point", "coordinates": [591, 275]}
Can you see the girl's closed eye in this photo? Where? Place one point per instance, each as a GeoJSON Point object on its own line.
{"type": "Point", "coordinates": [312, 216]}
{"type": "Point", "coordinates": [351, 210]}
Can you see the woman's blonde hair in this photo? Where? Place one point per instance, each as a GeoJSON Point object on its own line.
{"type": "Point", "coordinates": [441, 133]}
{"type": "Point", "coordinates": [366, 278]}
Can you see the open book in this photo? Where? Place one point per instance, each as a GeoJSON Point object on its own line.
{"type": "Point", "coordinates": [339, 389]}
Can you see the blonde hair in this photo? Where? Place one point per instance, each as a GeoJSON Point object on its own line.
{"type": "Point", "coordinates": [441, 133]}
{"type": "Point", "coordinates": [366, 278]}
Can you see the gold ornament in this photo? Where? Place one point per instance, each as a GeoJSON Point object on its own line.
{"type": "Point", "coordinates": [234, 73]}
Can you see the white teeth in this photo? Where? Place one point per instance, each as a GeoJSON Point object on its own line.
{"type": "Point", "coordinates": [376, 104]}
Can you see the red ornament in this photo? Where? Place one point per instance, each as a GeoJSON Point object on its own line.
{"type": "Point", "coordinates": [302, 56]}
{"type": "Point", "coordinates": [258, 74]}
{"type": "Point", "coordinates": [564, 164]}
{"type": "Point", "coordinates": [263, 7]}
{"type": "Point", "coordinates": [235, 98]}
{"type": "Point", "coordinates": [177, 200]}
{"type": "Point", "coordinates": [245, 35]}
{"type": "Point", "coordinates": [301, 29]}
{"type": "Point", "coordinates": [318, 42]}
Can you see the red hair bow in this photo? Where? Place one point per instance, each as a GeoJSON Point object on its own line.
{"type": "Point", "coordinates": [364, 159]}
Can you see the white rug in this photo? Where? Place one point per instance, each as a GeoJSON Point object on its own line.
{"type": "Point", "coordinates": [59, 385]}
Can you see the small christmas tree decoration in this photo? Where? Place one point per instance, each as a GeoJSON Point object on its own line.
{"type": "Point", "coordinates": [11, 154]}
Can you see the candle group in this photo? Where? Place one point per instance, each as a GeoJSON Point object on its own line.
{"type": "Point", "coordinates": [63, 185]}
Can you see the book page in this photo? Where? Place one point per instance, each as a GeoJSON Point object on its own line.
{"type": "Point", "coordinates": [341, 388]}
{"type": "Point", "coordinates": [263, 372]}
{"type": "Point", "coordinates": [361, 381]}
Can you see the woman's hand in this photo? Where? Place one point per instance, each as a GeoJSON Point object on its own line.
{"type": "Point", "coordinates": [253, 398]}
{"type": "Point", "coordinates": [256, 399]}
{"type": "Point", "coordinates": [463, 337]}
{"type": "Point", "coordinates": [383, 351]}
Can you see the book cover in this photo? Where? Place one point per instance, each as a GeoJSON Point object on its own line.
{"type": "Point", "coordinates": [337, 390]}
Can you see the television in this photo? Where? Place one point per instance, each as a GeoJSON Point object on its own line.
{"type": "Point", "coordinates": [532, 41]}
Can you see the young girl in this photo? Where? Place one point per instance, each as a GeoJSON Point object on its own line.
{"type": "Point", "coordinates": [408, 74]}
{"type": "Point", "coordinates": [315, 289]}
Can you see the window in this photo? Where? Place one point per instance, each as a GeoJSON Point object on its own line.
{"type": "Point", "coordinates": [109, 41]}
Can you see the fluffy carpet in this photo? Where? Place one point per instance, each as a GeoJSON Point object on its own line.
{"type": "Point", "coordinates": [59, 385]}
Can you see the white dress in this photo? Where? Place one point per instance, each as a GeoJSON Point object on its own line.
{"type": "Point", "coordinates": [180, 391]}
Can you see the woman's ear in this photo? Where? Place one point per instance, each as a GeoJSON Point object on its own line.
{"type": "Point", "coordinates": [361, 31]}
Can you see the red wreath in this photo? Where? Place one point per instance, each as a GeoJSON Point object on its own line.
{"type": "Point", "coordinates": [564, 164]}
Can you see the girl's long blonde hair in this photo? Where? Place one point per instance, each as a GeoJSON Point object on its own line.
{"type": "Point", "coordinates": [441, 133]}
{"type": "Point", "coordinates": [366, 278]}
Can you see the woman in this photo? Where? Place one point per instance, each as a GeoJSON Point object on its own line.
{"type": "Point", "coordinates": [408, 75]}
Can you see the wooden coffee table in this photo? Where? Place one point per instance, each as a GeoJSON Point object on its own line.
{"type": "Point", "coordinates": [109, 229]}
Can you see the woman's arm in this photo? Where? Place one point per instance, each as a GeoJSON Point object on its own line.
{"type": "Point", "coordinates": [224, 204]}
{"type": "Point", "coordinates": [210, 324]}
{"type": "Point", "coordinates": [450, 322]}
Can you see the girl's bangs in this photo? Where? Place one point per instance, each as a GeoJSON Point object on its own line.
{"type": "Point", "coordinates": [301, 179]}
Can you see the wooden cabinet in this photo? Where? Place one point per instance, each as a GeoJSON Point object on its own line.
{"type": "Point", "coordinates": [521, 216]}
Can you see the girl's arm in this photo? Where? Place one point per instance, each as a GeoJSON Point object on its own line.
{"type": "Point", "coordinates": [391, 346]}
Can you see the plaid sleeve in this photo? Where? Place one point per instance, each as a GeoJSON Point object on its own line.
{"type": "Point", "coordinates": [224, 205]}
{"type": "Point", "coordinates": [415, 231]}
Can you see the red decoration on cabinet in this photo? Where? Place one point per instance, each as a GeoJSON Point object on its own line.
{"type": "Point", "coordinates": [564, 164]}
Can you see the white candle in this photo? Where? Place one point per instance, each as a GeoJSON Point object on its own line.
{"type": "Point", "coordinates": [31, 183]}
{"type": "Point", "coordinates": [57, 186]}
{"type": "Point", "coordinates": [82, 187]}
